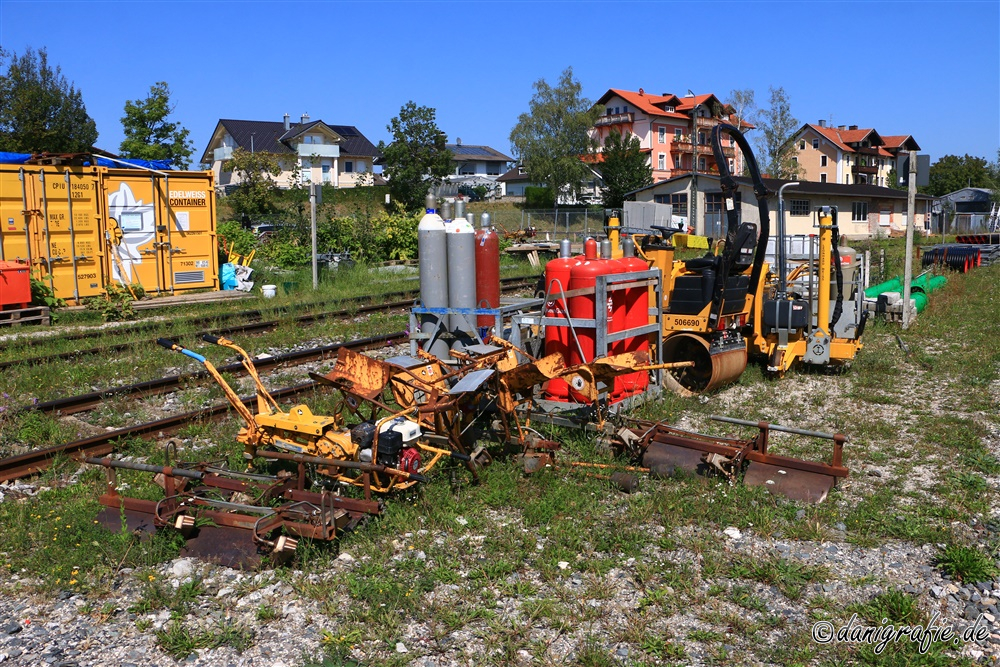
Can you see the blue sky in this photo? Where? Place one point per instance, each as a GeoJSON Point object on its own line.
{"type": "Point", "coordinates": [930, 69]}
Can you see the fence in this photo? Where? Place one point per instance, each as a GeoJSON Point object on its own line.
{"type": "Point", "coordinates": [551, 224]}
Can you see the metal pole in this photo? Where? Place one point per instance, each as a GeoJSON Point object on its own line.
{"type": "Point", "coordinates": [694, 169]}
{"type": "Point", "coordinates": [72, 238]}
{"type": "Point", "coordinates": [911, 207]}
{"type": "Point", "coordinates": [48, 236]}
{"type": "Point", "coordinates": [780, 243]}
{"type": "Point", "coordinates": [312, 217]}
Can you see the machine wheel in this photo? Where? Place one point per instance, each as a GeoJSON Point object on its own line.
{"type": "Point", "coordinates": [711, 370]}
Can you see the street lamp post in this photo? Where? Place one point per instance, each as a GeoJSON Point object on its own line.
{"type": "Point", "coordinates": [693, 206]}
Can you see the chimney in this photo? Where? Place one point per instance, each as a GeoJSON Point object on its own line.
{"type": "Point", "coordinates": [841, 127]}
{"type": "Point", "coordinates": [287, 124]}
{"type": "Point", "coordinates": [853, 127]}
{"type": "Point", "coordinates": [304, 119]}
{"type": "Point", "coordinates": [822, 123]}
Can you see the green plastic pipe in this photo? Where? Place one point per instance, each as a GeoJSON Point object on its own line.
{"type": "Point", "coordinates": [929, 284]}
{"type": "Point", "coordinates": [894, 285]}
{"type": "Point", "coordinates": [919, 300]}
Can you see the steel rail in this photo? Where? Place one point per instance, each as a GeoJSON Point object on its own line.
{"type": "Point", "coordinates": [38, 460]}
{"type": "Point", "coordinates": [510, 283]}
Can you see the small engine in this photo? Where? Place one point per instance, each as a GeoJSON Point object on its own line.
{"type": "Point", "coordinates": [397, 441]}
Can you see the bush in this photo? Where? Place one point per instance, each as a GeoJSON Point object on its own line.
{"type": "Point", "coordinates": [539, 197]}
{"type": "Point", "coordinates": [232, 232]}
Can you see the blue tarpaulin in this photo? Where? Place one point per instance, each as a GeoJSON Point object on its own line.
{"type": "Point", "coordinates": [160, 165]}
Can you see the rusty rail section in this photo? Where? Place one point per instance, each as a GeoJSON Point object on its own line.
{"type": "Point", "coordinates": [36, 461]}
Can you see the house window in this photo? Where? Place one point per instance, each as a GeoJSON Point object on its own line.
{"type": "Point", "coordinates": [668, 109]}
{"type": "Point", "coordinates": [701, 164]}
{"type": "Point", "coordinates": [680, 203]}
{"type": "Point", "coordinates": [816, 143]}
{"type": "Point", "coordinates": [799, 207]}
{"type": "Point", "coordinates": [822, 160]}
{"type": "Point", "coordinates": [625, 109]}
{"type": "Point", "coordinates": [701, 138]}
{"type": "Point", "coordinates": [349, 167]}
{"type": "Point", "coordinates": [802, 145]}
{"type": "Point", "coordinates": [360, 166]}
{"type": "Point", "coordinates": [662, 135]}
{"type": "Point", "coordinates": [306, 174]}
{"type": "Point", "coordinates": [661, 161]}
{"type": "Point", "coordinates": [859, 211]}
{"type": "Point", "coordinates": [730, 161]}
{"type": "Point", "coordinates": [822, 178]}
{"type": "Point", "coordinates": [492, 168]}
{"type": "Point", "coordinates": [326, 173]}
{"type": "Point", "coordinates": [677, 162]}
{"type": "Point", "coordinates": [677, 134]}
{"type": "Point", "coordinates": [795, 159]}
{"type": "Point", "coordinates": [713, 202]}
{"type": "Point", "coordinates": [661, 199]}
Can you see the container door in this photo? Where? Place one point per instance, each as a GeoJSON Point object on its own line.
{"type": "Point", "coordinates": [132, 222]}
{"type": "Point", "coordinates": [17, 207]}
{"type": "Point", "coordinates": [66, 234]}
{"type": "Point", "coordinates": [190, 251]}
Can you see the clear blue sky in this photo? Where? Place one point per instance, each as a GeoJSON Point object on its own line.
{"type": "Point", "coordinates": [930, 69]}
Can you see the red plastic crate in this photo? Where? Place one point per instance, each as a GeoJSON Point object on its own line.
{"type": "Point", "coordinates": [15, 285]}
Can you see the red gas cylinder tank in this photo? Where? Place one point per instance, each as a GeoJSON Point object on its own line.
{"type": "Point", "coordinates": [557, 338]}
{"type": "Point", "coordinates": [584, 276]}
{"type": "Point", "coordinates": [487, 270]}
{"type": "Point", "coordinates": [636, 315]}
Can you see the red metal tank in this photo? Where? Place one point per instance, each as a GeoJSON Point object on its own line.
{"type": "Point", "coordinates": [584, 275]}
{"type": "Point", "coordinates": [15, 285]}
{"type": "Point", "coordinates": [557, 339]}
{"type": "Point", "coordinates": [487, 270]}
{"type": "Point", "coordinates": [636, 315]}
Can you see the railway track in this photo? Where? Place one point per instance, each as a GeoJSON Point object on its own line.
{"type": "Point", "coordinates": [39, 460]}
{"type": "Point", "coordinates": [404, 300]}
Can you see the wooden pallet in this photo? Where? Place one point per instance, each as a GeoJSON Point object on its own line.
{"type": "Point", "coordinates": [13, 318]}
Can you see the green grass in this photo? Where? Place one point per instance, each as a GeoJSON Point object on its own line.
{"type": "Point", "coordinates": [967, 563]}
{"type": "Point", "coordinates": [178, 641]}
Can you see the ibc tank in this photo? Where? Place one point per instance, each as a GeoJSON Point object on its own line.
{"type": "Point", "coordinates": [432, 250]}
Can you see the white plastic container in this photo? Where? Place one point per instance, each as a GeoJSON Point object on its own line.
{"type": "Point", "coordinates": [269, 291]}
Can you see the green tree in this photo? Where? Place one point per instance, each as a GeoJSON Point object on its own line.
{"type": "Point", "coordinates": [417, 157]}
{"type": "Point", "coordinates": [256, 189]}
{"type": "Point", "coordinates": [952, 173]}
{"type": "Point", "coordinates": [624, 169]}
{"type": "Point", "coordinates": [775, 148]}
{"type": "Point", "coordinates": [744, 106]}
{"type": "Point", "coordinates": [551, 137]}
{"type": "Point", "coordinates": [40, 111]}
{"type": "Point", "coordinates": [149, 135]}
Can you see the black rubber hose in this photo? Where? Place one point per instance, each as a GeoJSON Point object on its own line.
{"type": "Point", "coordinates": [838, 309]}
{"type": "Point", "coordinates": [164, 342]}
{"type": "Point", "coordinates": [760, 190]}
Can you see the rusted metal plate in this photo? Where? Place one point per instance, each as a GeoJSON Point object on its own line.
{"type": "Point", "coordinates": [665, 460]}
{"type": "Point", "coordinates": [809, 487]}
{"type": "Point", "coordinates": [135, 522]}
{"type": "Point", "coordinates": [229, 547]}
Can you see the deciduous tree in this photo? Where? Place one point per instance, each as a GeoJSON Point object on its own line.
{"type": "Point", "coordinates": [40, 111]}
{"type": "Point", "coordinates": [417, 158]}
{"type": "Point", "coordinates": [952, 173]}
{"type": "Point", "coordinates": [551, 137]}
{"type": "Point", "coordinates": [744, 106]}
{"type": "Point", "coordinates": [256, 190]}
{"type": "Point", "coordinates": [149, 134]}
{"type": "Point", "coordinates": [624, 168]}
{"type": "Point", "coordinates": [775, 147]}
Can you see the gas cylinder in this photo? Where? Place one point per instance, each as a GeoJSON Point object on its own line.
{"type": "Point", "coordinates": [636, 315]}
{"type": "Point", "coordinates": [557, 338]}
{"type": "Point", "coordinates": [584, 276]}
{"type": "Point", "coordinates": [617, 318]}
{"type": "Point", "coordinates": [461, 243]}
{"type": "Point", "coordinates": [487, 270]}
{"type": "Point", "coordinates": [432, 250]}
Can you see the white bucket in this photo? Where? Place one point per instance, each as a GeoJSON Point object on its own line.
{"type": "Point", "coordinates": [269, 291]}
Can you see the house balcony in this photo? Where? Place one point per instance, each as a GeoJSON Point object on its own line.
{"type": "Point", "coordinates": [683, 146]}
{"type": "Point", "coordinates": [864, 169]}
{"type": "Point", "coordinates": [684, 172]}
{"type": "Point", "coordinates": [223, 153]}
{"type": "Point", "coordinates": [707, 122]}
{"type": "Point", "coordinates": [615, 119]}
{"type": "Point", "coordinates": [319, 150]}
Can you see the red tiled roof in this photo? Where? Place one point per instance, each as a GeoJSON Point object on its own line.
{"type": "Point", "coordinates": [692, 102]}
{"type": "Point", "coordinates": [832, 134]}
{"type": "Point", "coordinates": [856, 136]}
{"type": "Point", "coordinates": [899, 140]}
{"type": "Point", "coordinates": [645, 102]}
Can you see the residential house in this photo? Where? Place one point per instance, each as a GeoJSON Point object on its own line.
{"type": "Point", "coordinates": [863, 210]}
{"type": "Point", "coordinates": [665, 125]}
{"type": "Point", "coordinates": [474, 166]}
{"type": "Point", "coordinates": [847, 154]}
{"type": "Point", "coordinates": [516, 179]}
{"type": "Point", "coordinates": [308, 151]}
